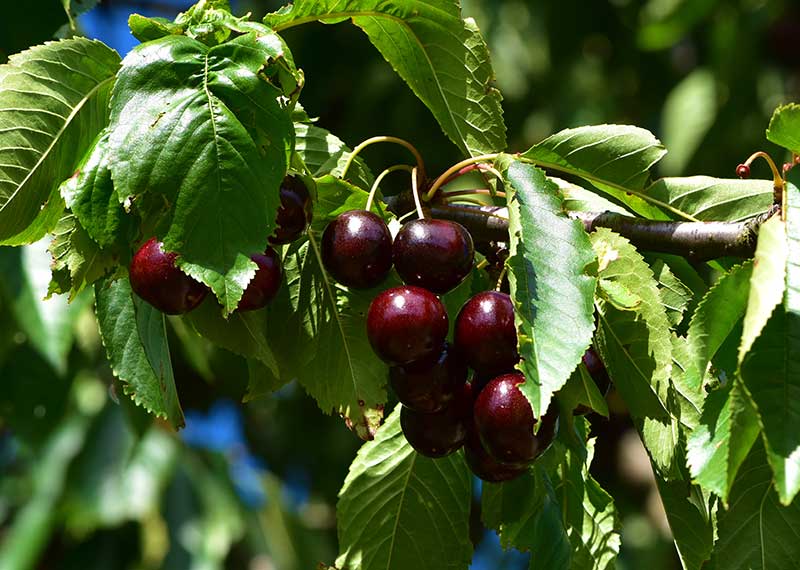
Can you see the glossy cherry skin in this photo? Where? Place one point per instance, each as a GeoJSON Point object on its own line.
{"type": "Point", "coordinates": [505, 422]}
{"type": "Point", "coordinates": [156, 279]}
{"type": "Point", "coordinates": [434, 254]}
{"type": "Point", "coordinates": [439, 433]}
{"type": "Point", "coordinates": [485, 466]}
{"type": "Point", "coordinates": [265, 283]}
{"type": "Point", "coordinates": [357, 249]}
{"type": "Point", "coordinates": [429, 386]}
{"type": "Point", "coordinates": [406, 324]}
{"type": "Point", "coordinates": [295, 212]}
{"type": "Point", "coordinates": [486, 334]}
{"type": "Point", "coordinates": [599, 374]}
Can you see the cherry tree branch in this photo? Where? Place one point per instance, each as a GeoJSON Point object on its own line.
{"type": "Point", "coordinates": [698, 241]}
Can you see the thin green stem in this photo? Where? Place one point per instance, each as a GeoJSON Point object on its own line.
{"type": "Point", "coordinates": [383, 138]}
{"type": "Point", "coordinates": [445, 176]}
{"type": "Point", "coordinates": [379, 179]}
{"type": "Point", "coordinates": [501, 277]}
{"type": "Point", "coordinates": [466, 199]}
{"type": "Point", "coordinates": [483, 191]}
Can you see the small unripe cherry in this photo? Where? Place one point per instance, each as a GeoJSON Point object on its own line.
{"type": "Point", "coordinates": [155, 278]}
{"type": "Point", "coordinates": [743, 171]}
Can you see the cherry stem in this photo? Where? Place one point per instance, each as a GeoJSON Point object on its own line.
{"type": "Point", "coordinates": [383, 138]}
{"type": "Point", "coordinates": [483, 191]}
{"type": "Point", "coordinates": [501, 277]}
{"type": "Point", "coordinates": [379, 179]}
{"type": "Point", "coordinates": [415, 192]}
{"type": "Point", "coordinates": [463, 199]}
{"type": "Point", "coordinates": [443, 178]}
{"type": "Point", "coordinates": [482, 263]}
{"type": "Point", "coordinates": [777, 177]}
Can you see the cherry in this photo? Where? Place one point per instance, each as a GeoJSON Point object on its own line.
{"type": "Point", "coordinates": [156, 279]}
{"type": "Point", "coordinates": [265, 283]}
{"type": "Point", "coordinates": [294, 213]}
{"type": "Point", "coordinates": [486, 334]}
{"type": "Point", "coordinates": [505, 422]}
{"type": "Point", "coordinates": [427, 386]}
{"type": "Point", "coordinates": [439, 433]}
{"type": "Point", "coordinates": [434, 254]}
{"type": "Point", "coordinates": [357, 249]}
{"type": "Point", "coordinates": [406, 324]}
{"type": "Point", "coordinates": [743, 171]}
{"type": "Point", "coordinates": [484, 465]}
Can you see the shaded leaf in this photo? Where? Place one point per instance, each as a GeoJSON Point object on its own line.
{"type": "Point", "coordinates": [690, 520]}
{"type": "Point", "coordinates": [707, 199]}
{"type": "Point", "coordinates": [134, 336]}
{"type": "Point", "coordinates": [634, 345]}
{"type": "Point", "coordinates": [674, 294]}
{"type": "Point", "coordinates": [324, 153]}
{"type": "Point", "coordinates": [718, 445]}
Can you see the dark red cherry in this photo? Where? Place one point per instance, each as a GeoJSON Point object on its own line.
{"type": "Point", "coordinates": [486, 334]}
{"type": "Point", "coordinates": [428, 386]}
{"type": "Point", "coordinates": [406, 324]}
{"type": "Point", "coordinates": [599, 374]}
{"type": "Point", "coordinates": [439, 433]}
{"type": "Point", "coordinates": [505, 423]}
{"type": "Point", "coordinates": [156, 279]}
{"type": "Point", "coordinates": [357, 249]}
{"type": "Point", "coordinates": [294, 213]}
{"type": "Point", "coordinates": [434, 254]}
{"type": "Point", "coordinates": [265, 283]}
{"type": "Point", "coordinates": [485, 466]}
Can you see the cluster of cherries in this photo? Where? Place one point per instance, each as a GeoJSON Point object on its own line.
{"type": "Point", "coordinates": [155, 277]}
{"type": "Point", "coordinates": [407, 328]}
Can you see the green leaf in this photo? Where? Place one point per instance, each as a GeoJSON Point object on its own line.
{"type": "Point", "coordinates": [674, 294]}
{"type": "Point", "coordinates": [715, 318]}
{"type": "Point", "coordinates": [147, 29]}
{"type": "Point", "coordinates": [550, 288]}
{"type": "Point", "coordinates": [200, 145]}
{"type": "Point", "coordinates": [399, 510]}
{"type": "Point", "coordinates": [526, 514]}
{"type": "Point", "coordinates": [581, 389]}
{"type": "Point", "coordinates": [719, 444]}
{"type": "Point", "coordinates": [324, 153]}
{"type": "Point", "coordinates": [53, 102]}
{"type": "Point", "coordinates": [756, 532]}
{"type": "Point", "coordinates": [689, 112]}
{"type": "Point", "coordinates": [768, 281]}
{"type": "Point", "coordinates": [579, 199]}
{"type": "Point", "coordinates": [618, 295]}
{"type": "Point", "coordinates": [689, 396]}
{"type": "Point", "coordinates": [335, 196]}
{"type": "Point", "coordinates": [708, 199]}
{"type": "Point", "coordinates": [590, 514]}
{"type": "Point", "coordinates": [634, 345]}
{"type": "Point", "coordinates": [690, 520]}
{"type": "Point", "coordinates": [47, 323]}
{"type": "Point", "coordinates": [784, 127]}
{"type": "Point", "coordinates": [134, 335]}
{"type": "Point", "coordinates": [78, 261]}
{"type": "Point", "coordinates": [443, 59]}
{"type": "Point", "coordinates": [343, 374]}
{"type": "Point", "coordinates": [615, 158]}
{"type": "Point", "coordinates": [244, 334]}
{"type": "Point", "coordinates": [90, 195]}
